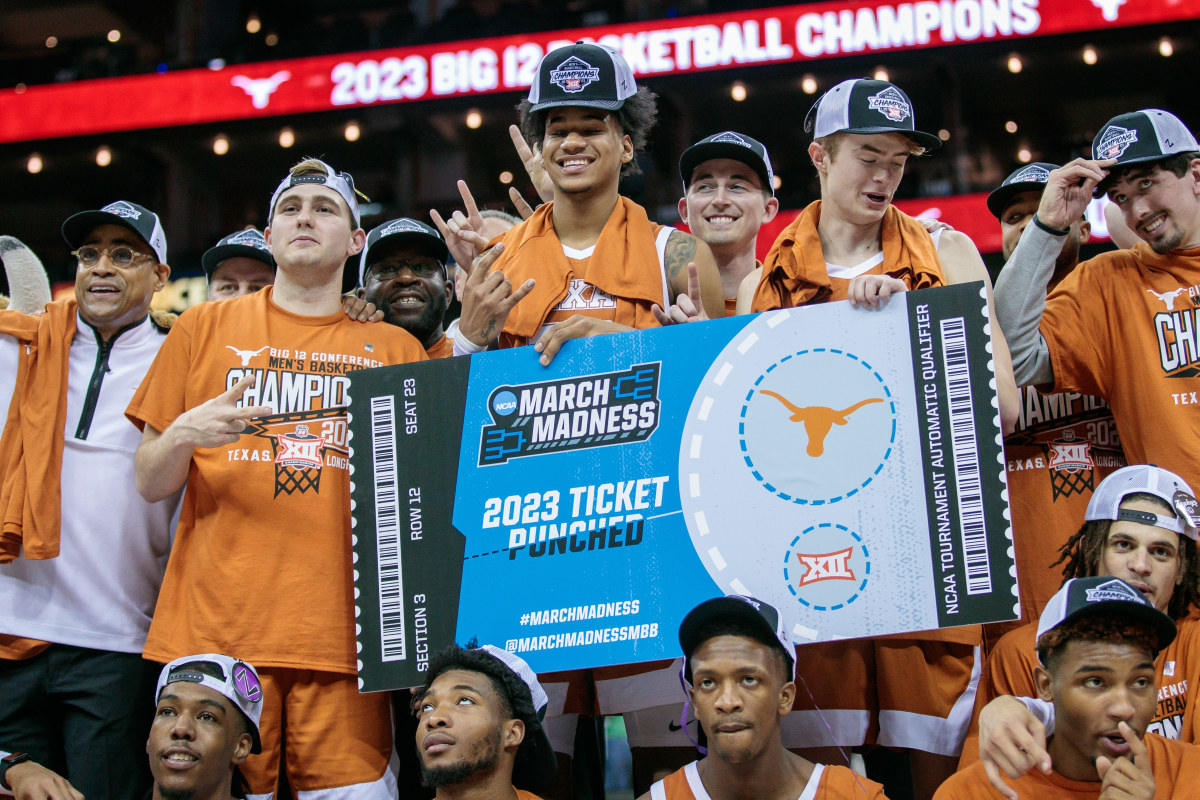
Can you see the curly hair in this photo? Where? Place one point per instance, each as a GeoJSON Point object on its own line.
{"type": "Point", "coordinates": [736, 627]}
{"type": "Point", "coordinates": [636, 118]}
{"type": "Point", "coordinates": [1114, 628]}
{"type": "Point", "coordinates": [1080, 557]}
{"type": "Point", "coordinates": [516, 701]}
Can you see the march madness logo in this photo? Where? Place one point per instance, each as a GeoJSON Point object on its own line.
{"type": "Point", "coordinates": [826, 567]}
{"type": "Point", "coordinates": [574, 75]}
{"type": "Point", "coordinates": [571, 414]}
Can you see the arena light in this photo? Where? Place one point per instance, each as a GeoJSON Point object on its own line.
{"type": "Point", "coordinates": [287, 138]}
{"type": "Point", "coordinates": [271, 39]}
{"type": "Point", "coordinates": [1015, 64]}
{"type": "Point", "coordinates": [221, 145]}
{"type": "Point", "coordinates": [34, 163]}
{"type": "Point", "coordinates": [881, 74]}
{"type": "Point", "coordinates": [1166, 48]}
{"type": "Point", "coordinates": [776, 181]}
{"type": "Point", "coordinates": [1010, 126]}
{"type": "Point", "coordinates": [1090, 56]}
{"type": "Point", "coordinates": [352, 132]}
{"type": "Point", "coordinates": [944, 135]}
{"type": "Point", "coordinates": [253, 24]}
{"type": "Point", "coordinates": [506, 177]}
{"type": "Point", "coordinates": [738, 91]}
{"type": "Point", "coordinates": [114, 36]}
{"type": "Point", "coordinates": [51, 41]}
{"type": "Point", "coordinates": [474, 119]}
{"type": "Point", "coordinates": [808, 84]}
{"type": "Point", "coordinates": [1024, 156]}
{"type": "Point", "coordinates": [103, 157]}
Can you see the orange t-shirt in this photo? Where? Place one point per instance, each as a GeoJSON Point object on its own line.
{"type": "Point", "coordinates": [524, 795]}
{"type": "Point", "coordinates": [618, 279]}
{"type": "Point", "coordinates": [831, 783]}
{"type": "Point", "coordinates": [795, 274]}
{"type": "Point", "coordinates": [1125, 326]}
{"type": "Point", "coordinates": [1009, 670]}
{"type": "Point", "coordinates": [1064, 445]}
{"type": "Point", "coordinates": [442, 348]}
{"type": "Point", "coordinates": [260, 568]}
{"type": "Point", "coordinates": [1175, 766]}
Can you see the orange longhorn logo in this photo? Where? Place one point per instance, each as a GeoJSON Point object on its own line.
{"type": "Point", "coordinates": [818, 420]}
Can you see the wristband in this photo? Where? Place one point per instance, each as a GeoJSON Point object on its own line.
{"type": "Point", "coordinates": [11, 760]}
{"type": "Point", "coordinates": [465, 347]}
{"type": "Point", "coordinates": [1053, 231]}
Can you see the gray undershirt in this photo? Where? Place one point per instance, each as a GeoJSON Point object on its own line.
{"type": "Point", "coordinates": [1021, 299]}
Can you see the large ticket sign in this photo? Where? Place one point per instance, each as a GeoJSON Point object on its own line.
{"type": "Point", "coordinates": [840, 463]}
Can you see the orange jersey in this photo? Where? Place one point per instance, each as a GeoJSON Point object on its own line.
{"type": "Point", "coordinates": [1125, 326]}
{"type": "Point", "coordinates": [825, 783]}
{"type": "Point", "coordinates": [618, 279]}
{"type": "Point", "coordinates": [442, 348]}
{"type": "Point", "coordinates": [524, 795]}
{"type": "Point", "coordinates": [1175, 766]}
{"type": "Point", "coordinates": [1009, 670]}
{"type": "Point", "coordinates": [1064, 445]}
{"type": "Point", "coordinates": [260, 567]}
{"type": "Point", "coordinates": [795, 272]}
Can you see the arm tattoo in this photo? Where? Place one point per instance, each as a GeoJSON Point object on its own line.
{"type": "Point", "coordinates": [678, 252]}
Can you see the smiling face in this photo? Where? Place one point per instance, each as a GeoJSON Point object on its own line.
{"type": "Point", "coordinates": [1161, 208]}
{"type": "Point", "coordinates": [111, 297]}
{"type": "Point", "coordinates": [860, 176]}
{"type": "Point", "coordinates": [196, 740]}
{"type": "Point", "coordinates": [1144, 556]}
{"type": "Point", "coordinates": [311, 231]}
{"type": "Point", "coordinates": [1095, 685]}
{"type": "Point", "coordinates": [583, 149]}
{"type": "Point", "coordinates": [463, 734]}
{"type": "Point", "coordinates": [740, 694]}
{"type": "Point", "coordinates": [416, 296]}
{"type": "Point", "coordinates": [725, 204]}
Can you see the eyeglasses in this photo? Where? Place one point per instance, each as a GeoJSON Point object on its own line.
{"type": "Point", "coordinates": [122, 256]}
{"type": "Point", "coordinates": [420, 268]}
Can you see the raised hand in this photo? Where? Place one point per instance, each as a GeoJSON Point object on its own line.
{"type": "Point", "coordinates": [219, 421]}
{"type": "Point", "coordinates": [687, 307]}
{"type": "Point", "coordinates": [1129, 777]}
{"type": "Point", "coordinates": [1012, 741]}
{"type": "Point", "coordinates": [487, 298]}
{"type": "Point", "coordinates": [534, 166]}
{"type": "Point", "coordinates": [463, 232]}
{"type": "Point", "coordinates": [1069, 190]}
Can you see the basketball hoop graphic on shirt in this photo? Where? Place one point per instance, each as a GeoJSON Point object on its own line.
{"type": "Point", "coordinates": [298, 461]}
{"type": "Point", "coordinates": [1072, 469]}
